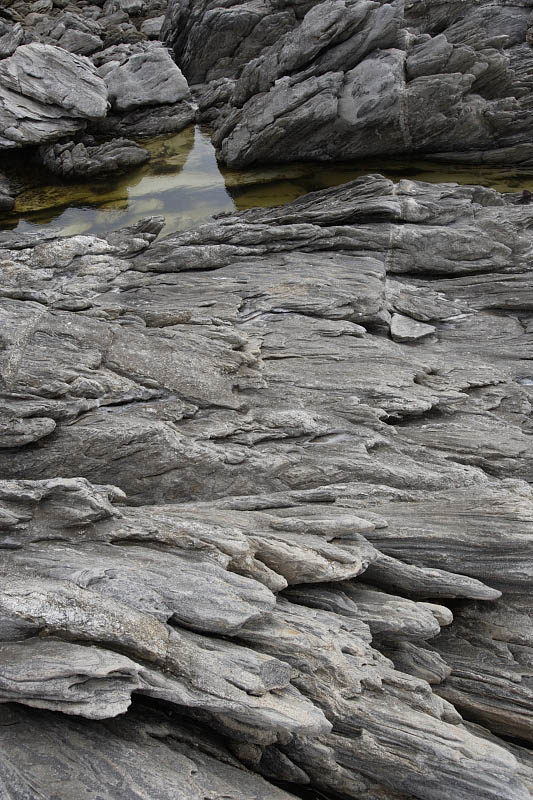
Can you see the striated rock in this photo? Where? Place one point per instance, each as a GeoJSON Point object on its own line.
{"type": "Point", "coordinates": [72, 159]}
{"type": "Point", "coordinates": [176, 769]}
{"type": "Point", "coordinates": [10, 38]}
{"type": "Point", "coordinates": [234, 494]}
{"type": "Point", "coordinates": [489, 654]}
{"type": "Point", "coordinates": [339, 80]}
{"type": "Point", "coordinates": [47, 93]}
{"type": "Point", "coordinates": [141, 75]}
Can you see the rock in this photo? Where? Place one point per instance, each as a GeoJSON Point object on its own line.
{"type": "Point", "coordinates": [141, 75]}
{"type": "Point", "coordinates": [132, 7]}
{"type": "Point", "coordinates": [229, 495]}
{"type": "Point", "coordinates": [80, 42]}
{"type": "Point", "coordinates": [34, 105]}
{"type": "Point", "coordinates": [152, 27]}
{"type": "Point", "coordinates": [497, 637]}
{"type": "Point", "coordinates": [306, 79]}
{"type": "Point", "coordinates": [6, 200]}
{"type": "Point", "coordinates": [177, 768]}
{"type": "Point", "coordinates": [72, 159]}
{"type": "Point", "coordinates": [10, 38]}
{"type": "Point", "coordinates": [148, 122]}
{"type": "Point", "coordinates": [405, 329]}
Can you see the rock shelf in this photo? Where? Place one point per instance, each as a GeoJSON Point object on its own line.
{"type": "Point", "coordinates": [266, 514]}
{"type": "Point", "coordinates": [301, 547]}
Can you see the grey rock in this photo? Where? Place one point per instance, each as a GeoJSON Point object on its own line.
{"type": "Point", "coordinates": [152, 27]}
{"type": "Point", "coordinates": [132, 7]}
{"type": "Point", "coordinates": [227, 491]}
{"type": "Point", "coordinates": [339, 80]}
{"type": "Point", "coordinates": [177, 768]}
{"type": "Point", "coordinates": [489, 653]}
{"type": "Point", "coordinates": [10, 38]}
{"type": "Point", "coordinates": [141, 75]}
{"type": "Point", "coordinates": [47, 93]}
{"type": "Point", "coordinates": [83, 98]}
{"type": "Point", "coordinates": [405, 329]}
{"type": "Point", "coordinates": [148, 121]}
{"type": "Point", "coordinates": [72, 160]}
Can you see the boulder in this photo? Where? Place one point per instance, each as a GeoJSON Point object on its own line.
{"type": "Point", "coordinates": [74, 160]}
{"type": "Point", "coordinates": [141, 75]}
{"type": "Point", "coordinates": [47, 93]}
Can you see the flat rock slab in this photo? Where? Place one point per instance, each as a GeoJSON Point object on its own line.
{"type": "Point", "coordinates": [405, 329]}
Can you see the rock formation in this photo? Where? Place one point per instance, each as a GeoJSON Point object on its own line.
{"type": "Point", "coordinates": [266, 506]}
{"type": "Point", "coordinates": [265, 485]}
{"type": "Point", "coordinates": [87, 66]}
{"type": "Point", "coordinates": [351, 78]}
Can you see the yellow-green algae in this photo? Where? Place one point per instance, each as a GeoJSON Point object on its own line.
{"type": "Point", "coordinates": [184, 183]}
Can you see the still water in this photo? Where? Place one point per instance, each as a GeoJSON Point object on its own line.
{"type": "Point", "coordinates": [184, 183]}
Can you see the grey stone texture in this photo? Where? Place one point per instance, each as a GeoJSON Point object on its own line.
{"type": "Point", "coordinates": [249, 532]}
{"type": "Point", "coordinates": [358, 78]}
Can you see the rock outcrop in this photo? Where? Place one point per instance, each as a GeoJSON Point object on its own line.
{"type": "Point", "coordinates": [63, 70]}
{"type": "Point", "coordinates": [266, 509]}
{"type": "Point", "coordinates": [71, 159]}
{"type": "Point", "coordinates": [345, 79]}
{"type": "Point", "coordinates": [47, 93]}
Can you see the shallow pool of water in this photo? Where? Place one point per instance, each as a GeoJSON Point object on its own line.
{"type": "Point", "coordinates": [184, 183]}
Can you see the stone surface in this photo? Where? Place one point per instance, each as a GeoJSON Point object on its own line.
{"type": "Point", "coordinates": [42, 79]}
{"type": "Point", "coordinates": [343, 79]}
{"type": "Point", "coordinates": [243, 527]}
{"type": "Point", "coordinates": [405, 329]}
{"type": "Point", "coordinates": [47, 93]}
{"type": "Point", "coordinates": [73, 160]}
{"type": "Point", "coordinates": [141, 75]}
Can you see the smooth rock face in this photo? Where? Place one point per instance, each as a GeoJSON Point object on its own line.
{"type": "Point", "coordinates": [245, 469]}
{"type": "Point", "coordinates": [353, 78]}
{"type": "Point", "coordinates": [405, 329]}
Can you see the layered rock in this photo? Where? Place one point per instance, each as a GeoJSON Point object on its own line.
{"type": "Point", "coordinates": [332, 80]}
{"type": "Point", "coordinates": [252, 522]}
{"type": "Point", "coordinates": [51, 90]}
{"type": "Point", "coordinates": [147, 91]}
{"type": "Point", "coordinates": [72, 160]}
{"type": "Point", "coordinates": [47, 93]}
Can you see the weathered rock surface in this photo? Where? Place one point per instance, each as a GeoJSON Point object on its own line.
{"type": "Point", "coordinates": [231, 490]}
{"type": "Point", "coordinates": [49, 89]}
{"type": "Point", "coordinates": [111, 759]}
{"type": "Point", "coordinates": [75, 159]}
{"type": "Point", "coordinates": [147, 91]}
{"type": "Point", "coordinates": [7, 201]}
{"type": "Point", "coordinates": [47, 93]}
{"type": "Point", "coordinates": [141, 75]}
{"type": "Point", "coordinates": [336, 79]}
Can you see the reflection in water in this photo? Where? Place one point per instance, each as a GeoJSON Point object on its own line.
{"type": "Point", "coordinates": [184, 183]}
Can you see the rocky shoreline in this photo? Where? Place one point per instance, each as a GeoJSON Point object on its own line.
{"type": "Point", "coordinates": [327, 498]}
{"type": "Point", "coordinates": [266, 506]}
